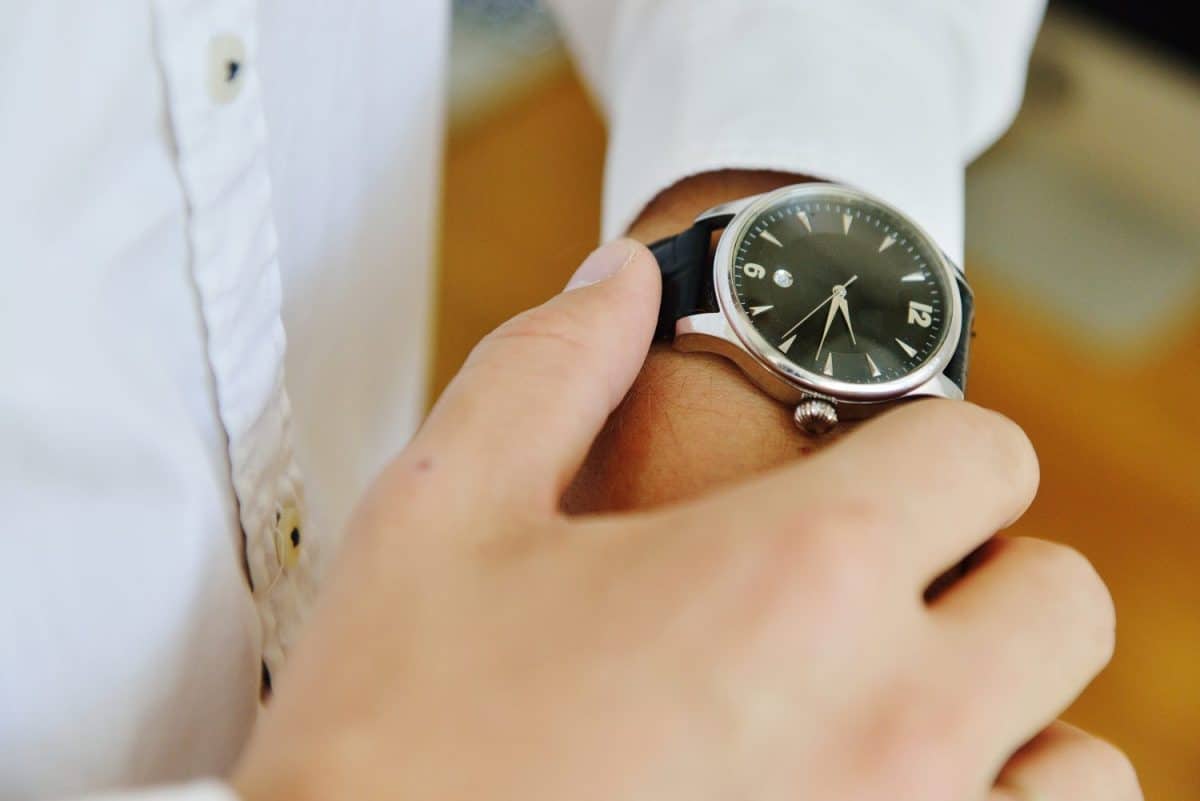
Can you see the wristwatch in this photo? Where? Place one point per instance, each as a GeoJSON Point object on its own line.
{"type": "Point", "coordinates": [827, 298]}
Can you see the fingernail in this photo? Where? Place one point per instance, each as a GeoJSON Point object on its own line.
{"type": "Point", "coordinates": [604, 262]}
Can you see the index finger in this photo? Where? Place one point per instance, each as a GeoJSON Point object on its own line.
{"type": "Point", "coordinates": [919, 487]}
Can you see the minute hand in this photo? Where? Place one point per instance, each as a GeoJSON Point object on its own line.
{"type": "Point", "coordinates": [833, 310]}
{"type": "Point", "coordinates": [820, 305]}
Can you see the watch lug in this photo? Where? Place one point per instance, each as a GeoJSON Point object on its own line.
{"type": "Point", "coordinates": [710, 333]}
{"type": "Point", "coordinates": [956, 269]}
{"type": "Point", "coordinates": [706, 333]}
{"type": "Point", "coordinates": [720, 215]}
{"type": "Point", "coordinates": [940, 386]}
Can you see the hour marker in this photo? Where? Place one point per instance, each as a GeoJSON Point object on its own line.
{"type": "Point", "coordinates": [907, 347]}
{"type": "Point", "coordinates": [767, 235]}
{"type": "Point", "coordinates": [803, 217]}
{"type": "Point", "coordinates": [846, 220]}
{"type": "Point", "coordinates": [914, 278]}
{"type": "Point", "coordinates": [874, 368]}
{"type": "Point", "coordinates": [757, 310]}
{"type": "Point", "coordinates": [786, 345]}
{"type": "Point", "coordinates": [828, 365]}
{"type": "Point", "coordinates": [887, 243]}
{"type": "Point", "coordinates": [782, 278]}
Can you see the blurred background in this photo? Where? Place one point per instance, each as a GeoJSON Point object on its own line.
{"type": "Point", "coordinates": [1084, 249]}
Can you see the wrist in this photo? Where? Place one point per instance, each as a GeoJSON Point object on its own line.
{"type": "Point", "coordinates": [673, 209]}
{"type": "Point", "coordinates": [691, 422]}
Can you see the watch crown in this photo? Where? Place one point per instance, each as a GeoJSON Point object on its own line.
{"type": "Point", "coordinates": [816, 416]}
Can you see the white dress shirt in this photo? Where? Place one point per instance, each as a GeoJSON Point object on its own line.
{"type": "Point", "coordinates": [216, 228]}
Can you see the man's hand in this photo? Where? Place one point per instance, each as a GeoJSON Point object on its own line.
{"type": "Point", "coordinates": [770, 641]}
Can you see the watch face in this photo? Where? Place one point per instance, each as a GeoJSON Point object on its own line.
{"type": "Point", "coordinates": [839, 288]}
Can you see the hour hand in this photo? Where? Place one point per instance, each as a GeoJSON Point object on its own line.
{"type": "Point", "coordinates": [844, 307]}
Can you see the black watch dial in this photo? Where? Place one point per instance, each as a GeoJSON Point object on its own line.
{"type": "Point", "coordinates": [843, 288]}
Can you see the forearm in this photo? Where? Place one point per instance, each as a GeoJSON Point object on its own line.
{"type": "Point", "coordinates": [692, 421]}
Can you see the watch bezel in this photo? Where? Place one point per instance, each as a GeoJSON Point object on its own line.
{"type": "Point", "coordinates": [779, 364]}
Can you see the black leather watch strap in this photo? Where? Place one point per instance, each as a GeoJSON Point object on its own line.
{"type": "Point", "coordinates": [956, 370]}
{"type": "Point", "coordinates": [686, 264]}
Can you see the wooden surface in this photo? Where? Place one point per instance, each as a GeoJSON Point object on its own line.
{"type": "Point", "coordinates": [1120, 448]}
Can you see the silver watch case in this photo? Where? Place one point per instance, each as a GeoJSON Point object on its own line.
{"type": "Point", "coordinates": [729, 333]}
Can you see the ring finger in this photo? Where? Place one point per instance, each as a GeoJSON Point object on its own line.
{"type": "Point", "coordinates": [1027, 630]}
{"type": "Point", "coordinates": [1064, 763]}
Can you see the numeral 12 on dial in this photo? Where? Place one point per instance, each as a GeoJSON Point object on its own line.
{"type": "Point", "coordinates": [920, 314]}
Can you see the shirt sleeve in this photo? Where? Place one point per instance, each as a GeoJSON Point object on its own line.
{"type": "Point", "coordinates": [895, 98]}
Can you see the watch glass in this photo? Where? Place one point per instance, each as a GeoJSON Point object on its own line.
{"type": "Point", "coordinates": [840, 287]}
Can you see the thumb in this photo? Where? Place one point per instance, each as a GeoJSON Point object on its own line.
{"type": "Point", "coordinates": [517, 421]}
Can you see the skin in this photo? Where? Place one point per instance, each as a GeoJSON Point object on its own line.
{"type": "Point", "coordinates": [769, 639]}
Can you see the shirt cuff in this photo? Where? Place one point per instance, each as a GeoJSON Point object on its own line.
{"type": "Point", "coordinates": [197, 791]}
{"type": "Point", "coordinates": [855, 95]}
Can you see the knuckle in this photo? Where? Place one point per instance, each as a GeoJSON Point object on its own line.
{"type": "Point", "coordinates": [776, 572]}
{"type": "Point", "coordinates": [915, 746]}
{"type": "Point", "coordinates": [791, 583]}
{"type": "Point", "coordinates": [852, 521]}
{"type": "Point", "coordinates": [844, 557]}
{"type": "Point", "coordinates": [1000, 441]}
{"type": "Point", "coordinates": [1008, 445]}
{"type": "Point", "coordinates": [1016, 455]}
{"type": "Point", "coordinates": [550, 325]}
{"type": "Point", "coordinates": [945, 773]}
{"type": "Point", "coordinates": [1112, 770]}
{"type": "Point", "coordinates": [549, 345]}
{"type": "Point", "coordinates": [1070, 576]}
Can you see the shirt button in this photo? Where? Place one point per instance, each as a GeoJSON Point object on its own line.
{"type": "Point", "coordinates": [287, 537]}
{"type": "Point", "coordinates": [226, 68]}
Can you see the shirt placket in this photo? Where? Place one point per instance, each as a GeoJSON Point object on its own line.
{"type": "Point", "coordinates": [207, 50]}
